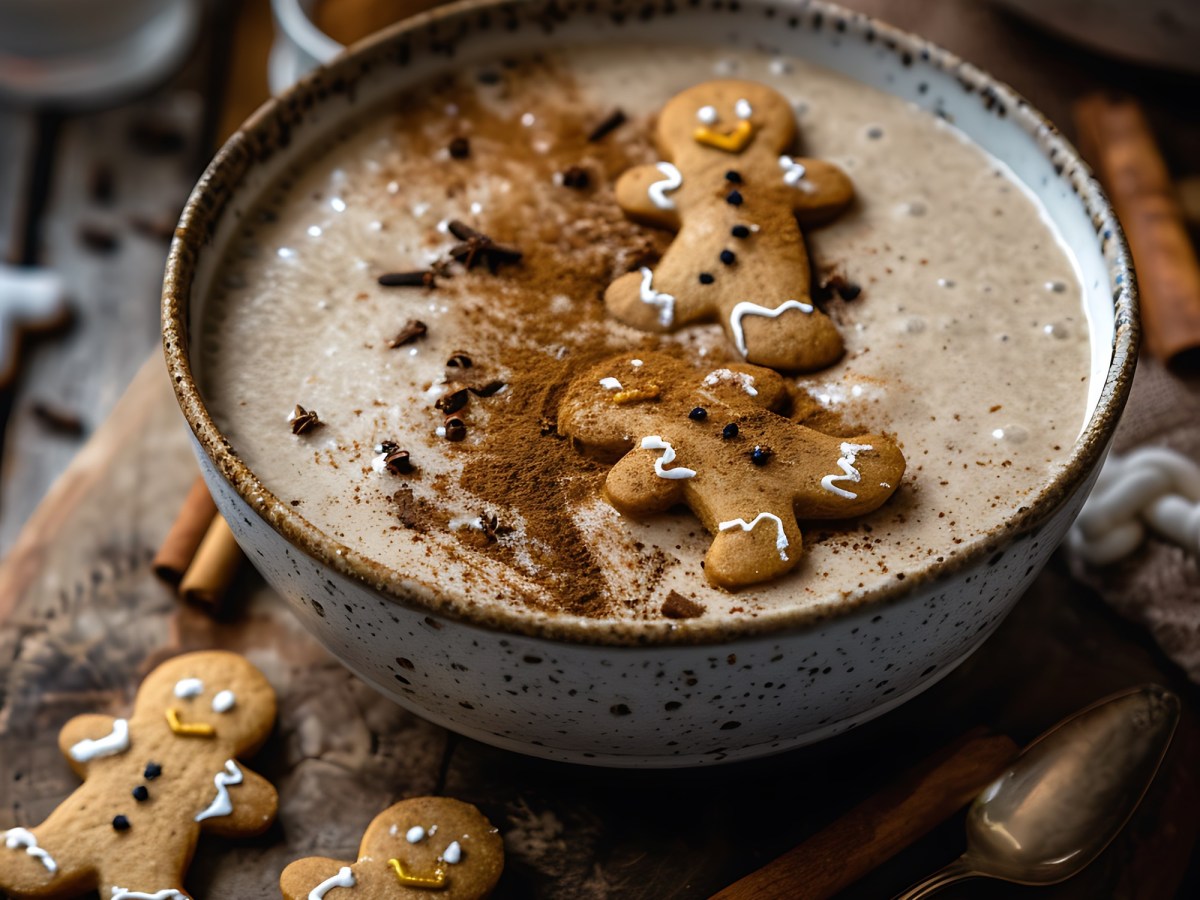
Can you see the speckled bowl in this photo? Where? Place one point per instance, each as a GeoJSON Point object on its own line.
{"type": "Point", "coordinates": [654, 693]}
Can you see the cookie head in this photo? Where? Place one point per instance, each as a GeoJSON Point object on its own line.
{"type": "Point", "coordinates": [726, 118]}
{"type": "Point", "coordinates": [210, 695]}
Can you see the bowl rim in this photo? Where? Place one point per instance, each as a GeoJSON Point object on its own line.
{"type": "Point", "coordinates": [269, 128]}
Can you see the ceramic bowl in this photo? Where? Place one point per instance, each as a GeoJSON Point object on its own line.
{"type": "Point", "coordinates": [654, 693]}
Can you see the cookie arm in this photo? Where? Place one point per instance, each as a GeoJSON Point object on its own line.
{"type": "Point", "coordinates": [302, 875]}
{"type": "Point", "coordinates": [255, 803]}
{"type": "Point", "coordinates": [635, 197]}
{"type": "Point", "coordinates": [824, 192]}
{"type": "Point", "coordinates": [635, 489]}
{"type": "Point", "coordinates": [845, 477]}
{"type": "Point", "coordinates": [89, 726]}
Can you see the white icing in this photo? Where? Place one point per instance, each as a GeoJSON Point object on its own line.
{"type": "Point", "coordinates": [453, 853]}
{"type": "Point", "coordinates": [224, 702]}
{"type": "Point", "coordinates": [186, 688]}
{"type": "Point", "coordinates": [344, 878]}
{"type": "Point", "coordinates": [222, 805]}
{"type": "Point", "coordinates": [116, 741]}
{"type": "Point", "coordinates": [18, 838]}
{"type": "Point", "coordinates": [743, 108]}
{"type": "Point", "coordinates": [415, 835]}
{"type": "Point", "coordinates": [664, 302]}
{"type": "Point", "coordinates": [849, 473]}
{"type": "Point", "coordinates": [793, 173]}
{"type": "Point", "coordinates": [707, 115]}
{"type": "Point", "coordinates": [657, 191]}
{"type": "Point", "coordinates": [728, 376]}
{"type": "Point", "coordinates": [120, 893]}
{"type": "Point", "coordinates": [746, 308]}
{"type": "Point", "coordinates": [610, 384]}
{"type": "Point", "coordinates": [781, 541]}
{"type": "Point", "coordinates": [654, 442]}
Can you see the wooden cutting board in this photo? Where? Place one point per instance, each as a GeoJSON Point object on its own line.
{"type": "Point", "coordinates": [82, 619]}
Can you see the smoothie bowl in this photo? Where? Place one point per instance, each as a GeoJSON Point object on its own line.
{"type": "Point", "coordinates": [649, 386]}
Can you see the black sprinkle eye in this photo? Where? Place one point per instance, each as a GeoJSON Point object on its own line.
{"type": "Point", "coordinates": [760, 455]}
{"type": "Point", "coordinates": [140, 794]}
{"type": "Point", "coordinates": [734, 198]}
{"type": "Point", "coordinates": [706, 278]}
{"type": "Point", "coordinates": [740, 231]}
{"type": "Point", "coordinates": [120, 823]}
{"type": "Point", "coordinates": [698, 414]}
{"type": "Point", "coordinates": [733, 177]}
{"type": "Point", "coordinates": [153, 770]}
{"type": "Point", "coordinates": [728, 257]}
{"type": "Point", "coordinates": [730, 431]}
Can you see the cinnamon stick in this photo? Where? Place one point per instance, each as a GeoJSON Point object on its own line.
{"type": "Point", "coordinates": [211, 573]}
{"type": "Point", "coordinates": [881, 826]}
{"type": "Point", "coordinates": [180, 545]}
{"type": "Point", "coordinates": [1116, 139]}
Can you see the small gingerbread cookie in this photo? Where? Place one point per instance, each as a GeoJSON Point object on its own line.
{"type": "Point", "coordinates": [737, 200]}
{"type": "Point", "coordinates": [710, 439]}
{"type": "Point", "coordinates": [152, 783]}
{"type": "Point", "coordinates": [426, 846]}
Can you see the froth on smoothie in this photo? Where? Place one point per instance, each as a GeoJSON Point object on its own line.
{"type": "Point", "coordinates": [960, 310]}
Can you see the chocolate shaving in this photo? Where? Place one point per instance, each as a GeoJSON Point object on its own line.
{"type": "Point", "coordinates": [454, 399]}
{"type": "Point", "coordinates": [493, 529]}
{"type": "Point", "coordinates": [677, 606]}
{"type": "Point", "coordinates": [614, 121]}
{"type": "Point", "coordinates": [420, 278]}
{"type": "Point", "coordinates": [477, 247]}
{"type": "Point", "coordinates": [459, 360]}
{"type": "Point", "coordinates": [576, 177]}
{"type": "Point", "coordinates": [460, 148]}
{"type": "Point", "coordinates": [486, 390]}
{"type": "Point", "coordinates": [304, 420]}
{"type": "Point", "coordinates": [395, 460]}
{"type": "Point", "coordinates": [455, 428]}
{"type": "Point", "coordinates": [414, 329]}
{"type": "Point", "coordinates": [60, 421]}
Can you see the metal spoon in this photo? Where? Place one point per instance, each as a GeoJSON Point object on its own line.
{"type": "Point", "coordinates": [1067, 795]}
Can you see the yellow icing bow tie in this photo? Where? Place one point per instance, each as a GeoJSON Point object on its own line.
{"type": "Point", "coordinates": [196, 729]}
{"type": "Point", "coordinates": [435, 882]}
{"type": "Point", "coordinates": [734, 141]}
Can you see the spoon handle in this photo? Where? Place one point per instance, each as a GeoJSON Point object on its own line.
{"type": "Point", "coordinates": [959, 870]}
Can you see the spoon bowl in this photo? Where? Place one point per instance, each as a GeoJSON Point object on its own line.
{"type": "Point", "coordinates": [1067, 795]}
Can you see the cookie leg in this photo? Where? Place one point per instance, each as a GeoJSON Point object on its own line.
{"type": "Point", "coordinates": [754, 548]}
{"type": "Point", "coordinates": [791, 337]}
{"type": "Point", "coordinates": [36, 865]}
{"type": "Point", "coordinates": [139, 872]}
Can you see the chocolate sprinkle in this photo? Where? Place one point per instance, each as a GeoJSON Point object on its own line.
{"type": "Point", "coordinates": [454, 399]}
{"type": "Point", "coordinates": [614, 121]}
{"type": "Point", "coordinates": [153, 770]}
{"type": "Point", "coordinates": [398, 461]}
{"type": "Point", "coordinates": [677, 606]}
{"type": "Point", "coordinates": [459, 360]}
{"type": "Point", "coordinates": [140, 794]}
{"type": "Point", "coordinates": [734, 198]}
{"type": "Point", "coordinates": [456, 428]}
{"type": "Point", "coordinates": [698, 414]}
{"type": "Point", "coordinates": [706, 278]}
{"type": "Point", "coordinates": [460, 148]}
{"type": "Point", "coordinates": [760, 455]}
{"type": "Point", "coordinates": [575, 177]}
{"type": "Point", "coordinates": [740, 231]}
{"type": "Point", "coordinates": [728, 257]}
{"type": "Point", "coordinates": [304, 420]}
{"type": "Point", "coordinates": [414, 329]}
{"type": "Point", "coordinates": [120, 823]}
{"type": "Point", "coordinates": [730, 431]}
{"type": "Point", "coordinates": [420, 278]}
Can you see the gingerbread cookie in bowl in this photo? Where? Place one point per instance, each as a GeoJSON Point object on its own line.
{"type": "Point", "coordinates": [737, 200]}
{"type": "Point", "coordinates": [417, 848]}
{"type": "Point", "coordinates": [152, 784]}
{"type": "Point", "coordinates": [713, 440]}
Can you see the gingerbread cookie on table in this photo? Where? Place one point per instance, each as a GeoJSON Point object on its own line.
{"type": "Point", "coordinates": [737, 201]}
{"type": "Point", "coordinates": [152, 783]}
{"type": "Point", "coordinates": [418, 848]}
{"type": "Point", "coordinates": [711, 439]}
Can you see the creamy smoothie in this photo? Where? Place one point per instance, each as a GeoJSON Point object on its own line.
{"type": "Point", "coordinates": [960, 311]}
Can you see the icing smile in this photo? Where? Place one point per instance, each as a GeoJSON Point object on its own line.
{"type": "Point", "coordinates": [733, 140]}
{"type": "Point", "coordinates": [435, 882]}
{"type": "Point", "coordinates": [193, 729]}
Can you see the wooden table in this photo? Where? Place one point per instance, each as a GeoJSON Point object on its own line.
{"type": "Point", "coordinates": [81, 618]}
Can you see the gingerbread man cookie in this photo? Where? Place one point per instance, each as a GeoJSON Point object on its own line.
{"type": "Point", "coordinates": [152, 783]}
{"type": "Point", "coordinates": [710, 439]}
{"type": "Point", "coordinates": [737, 201]}
{"type": "Point", "coordinates": [426, 846]}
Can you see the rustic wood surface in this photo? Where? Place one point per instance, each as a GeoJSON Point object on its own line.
{"type": "Point", "coordinates": [82, 618]}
